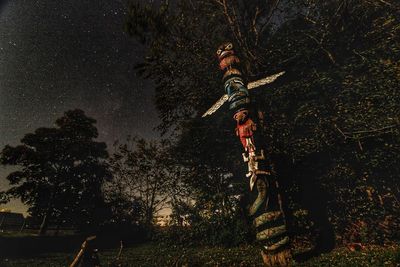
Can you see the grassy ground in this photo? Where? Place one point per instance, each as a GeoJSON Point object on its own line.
{"type": "Point", "coordinates": [148, 255]}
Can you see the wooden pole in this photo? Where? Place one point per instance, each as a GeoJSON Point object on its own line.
{"type": "Point", "coordinates": [266, 210]}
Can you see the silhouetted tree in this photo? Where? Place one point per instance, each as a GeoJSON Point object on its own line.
{"type": "Point", "coordinates": [145, 177]}
{"type": "Point", "coordinates": [60, 172]}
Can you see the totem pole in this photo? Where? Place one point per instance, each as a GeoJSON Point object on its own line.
{"type": "Point", "coordinates": [266, 210]}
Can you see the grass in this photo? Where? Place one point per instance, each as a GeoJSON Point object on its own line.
{"type": "Point", "coordinates": [150, 254]}
{"type": "Point", "coordinates": [16, 234]}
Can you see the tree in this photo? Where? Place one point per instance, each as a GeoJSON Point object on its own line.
{"type": "Point", "coordinates": [180, 61]}
{"type": "Point", "coordinates": [332, 121]}
{"type": "Point", "coordinates": [60, 172]}
{"type": "Point", "coordinates": [143, 173]}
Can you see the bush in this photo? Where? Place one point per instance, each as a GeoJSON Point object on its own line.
{"type": "Point", "coordinates": [215, 231]}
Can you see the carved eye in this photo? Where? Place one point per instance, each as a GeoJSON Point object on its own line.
{"type": "Point", "coordinates": [219, 51]}
{"type": "Point", "coordinates": [229, 46]}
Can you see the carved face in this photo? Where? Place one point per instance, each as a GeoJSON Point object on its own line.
{"type": "Point", "coordinates": [241, 116]}
{"type": "Point", "coordinates": [225, 50]}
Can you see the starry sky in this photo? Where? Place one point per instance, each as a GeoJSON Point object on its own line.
{"type": "Point", "coordinates": [61, 55]}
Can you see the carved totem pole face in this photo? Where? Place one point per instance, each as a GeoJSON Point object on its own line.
{"type": "Point", "coordinates": [241, 116]}
{"type": "Point", "coordinates": [225, 50]}
{"type": "Point", "coordinates": [226, 57]}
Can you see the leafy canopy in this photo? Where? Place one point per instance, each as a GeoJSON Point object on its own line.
{"type": "Point", "coordinates": [60, 170]}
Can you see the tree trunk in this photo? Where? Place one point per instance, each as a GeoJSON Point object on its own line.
{"type": "Point", "coordinates": [57, 228]}
{"type": "Point", "coordinates": [23, 226]}
{"type": "Point", "coordinates": [2, 220]}
{"type": "Point", "coordinates": [45, 222]}
{"type": "Point", "coordinates": [149, 222]}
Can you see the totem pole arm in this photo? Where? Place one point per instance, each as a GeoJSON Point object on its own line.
{"type": "Point", "coordinates": [250, 85]}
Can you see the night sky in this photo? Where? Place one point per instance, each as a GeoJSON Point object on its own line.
{"type": "Point", "coordinates": [61, 55]}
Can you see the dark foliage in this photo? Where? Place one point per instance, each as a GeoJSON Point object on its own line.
{"type": "Point", "coordinates": [60, 173]}
{"type": "Point", "coordinates": [145, 181]}
{"type": "Point", "coordinates": [333, 121]}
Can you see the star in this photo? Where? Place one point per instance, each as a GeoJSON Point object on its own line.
{"type": "Point", "coordinates": [62, 55]}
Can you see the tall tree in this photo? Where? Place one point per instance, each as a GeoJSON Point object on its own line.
{"type": "Point", "coordinates": [332, 121]}
{"type": "Point", "coordinates": [60, 172]}
{"type": "Point", "coordinates": [144, 173]}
